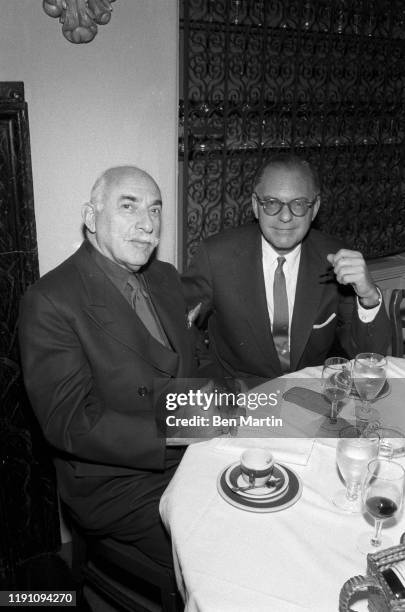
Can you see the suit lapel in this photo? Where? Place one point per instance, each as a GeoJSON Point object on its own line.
{"type": "Point", "coordinates": [307, 298]}
{"type": "Point", "coordinates": [109, 309]}
{"type": "Point", "coordinates": [249, 280]}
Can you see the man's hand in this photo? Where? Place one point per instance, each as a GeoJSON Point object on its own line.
{"type": "Point", "coordinates": [351, 269]}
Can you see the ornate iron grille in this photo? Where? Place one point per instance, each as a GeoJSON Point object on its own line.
{"type": "Point", "coordinates": [324, 79]}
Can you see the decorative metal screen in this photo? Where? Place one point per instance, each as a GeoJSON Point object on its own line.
{"type": "Point", "coordinates": [322, 78]}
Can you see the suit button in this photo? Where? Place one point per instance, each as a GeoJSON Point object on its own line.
{"type": "Point", "coordinates": [142, 391]}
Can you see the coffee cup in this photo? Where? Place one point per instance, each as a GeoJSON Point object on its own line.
{"type": "Point", "coordinates": [256, 465]}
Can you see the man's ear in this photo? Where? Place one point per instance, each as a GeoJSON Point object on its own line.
{"type": "Point", "coordinates": [316, 207]}
{"type": "Point", "coordinates": [89, 216]}
{"type": "Point", "coordinates": [255, 207]}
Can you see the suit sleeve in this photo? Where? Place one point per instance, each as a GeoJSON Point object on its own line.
{"type": "Point", "coordinates": [74, 417]}
{"type": "Point", "coordinates": [358, 337]}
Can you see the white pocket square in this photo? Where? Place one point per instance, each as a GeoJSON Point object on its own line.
{"type": "Point", "coordinates": [193, 314]}
{"type": "Point", "coordinates": [328, 320]}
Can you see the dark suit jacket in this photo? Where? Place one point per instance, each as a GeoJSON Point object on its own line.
{"type": "Point", "coordinates": [90, 366]}
{"type": "Point", "coordinates": [226, 275]}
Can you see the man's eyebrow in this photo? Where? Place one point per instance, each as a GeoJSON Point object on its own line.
{"type": "Point", "coordinates": [136, 199]}
{"type": "Point", "coordinates": [268, 197]}
{"type": "Point", "coordinates": [129, 197]}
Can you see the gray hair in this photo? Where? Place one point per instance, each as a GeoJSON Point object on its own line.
{"type": "Point", "coordinates": [290, 162]}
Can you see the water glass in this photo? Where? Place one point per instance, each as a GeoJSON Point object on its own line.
{"type": "Point", "coordinates": [369, 375]}
{"type": "Point", "coordinates": [392, 441]}
{"type": "Point", "coordinates": [353, 454]}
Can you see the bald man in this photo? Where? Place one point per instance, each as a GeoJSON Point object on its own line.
{"type": "Point", "coordinates": [277, 295]}
{"type": "Point", "coordinates": [94, 334]}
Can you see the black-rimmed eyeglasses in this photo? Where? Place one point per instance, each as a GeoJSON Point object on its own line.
{"type": "Point", "coordinates": [298, 207]}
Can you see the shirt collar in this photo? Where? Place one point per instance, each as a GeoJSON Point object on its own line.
{"type": "Point", "coordinates": [271, 255]}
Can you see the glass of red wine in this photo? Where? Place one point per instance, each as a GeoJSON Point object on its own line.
{"type": "Point", "coordinates": [382, 494]}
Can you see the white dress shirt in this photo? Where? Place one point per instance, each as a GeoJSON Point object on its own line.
{"type": "Point", "coordinates": [290, 269]}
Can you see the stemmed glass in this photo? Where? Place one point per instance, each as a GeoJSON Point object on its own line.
{"type": "Point", "coordinates": [336, 384]}
{"type": "Point", "coordinates": [382, 494]}
{"type": "Point", "coordinates": [369, 375]}
{"type": "Point", "coordinates": [353, 454]}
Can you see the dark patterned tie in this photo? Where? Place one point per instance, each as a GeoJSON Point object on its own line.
{"type": "Point", "coordinates": [140, 302]}
{"type": "Point", "coordinates": [280, 316]}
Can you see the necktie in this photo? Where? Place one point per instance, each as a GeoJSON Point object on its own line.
{"type": "Point", "coordinates": [140, 302]}
{"type": "Point", "coordinates": [280, 316]}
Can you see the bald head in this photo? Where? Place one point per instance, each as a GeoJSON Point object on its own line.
{"type": "Point", "coordinates": [114, 176]}
{"type": "Point", "coordinates": [123, 216]}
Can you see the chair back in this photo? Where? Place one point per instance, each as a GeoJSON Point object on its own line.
{"type": "Point", "coordinates": [397, 319]}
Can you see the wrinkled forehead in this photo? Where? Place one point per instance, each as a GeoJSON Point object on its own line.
{"type": "Point", "coordinates": [133, 183]}
{"type": "Point", "coordinates": [291, 181]}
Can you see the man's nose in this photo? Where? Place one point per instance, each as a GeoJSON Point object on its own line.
{"type": "Point", "coordinates": [285, 213]}
{"type": "Point", "coordinates": [144, 221]}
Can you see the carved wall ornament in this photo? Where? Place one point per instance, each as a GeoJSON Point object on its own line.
{"type": "Point", "coordinates": [79, 18]}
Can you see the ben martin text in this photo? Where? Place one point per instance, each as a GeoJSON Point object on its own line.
{"type": "Point", "coordinates": [218, 421]}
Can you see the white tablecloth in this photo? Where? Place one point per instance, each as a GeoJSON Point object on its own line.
{"type": "Point", "coordinates": [230, 560]}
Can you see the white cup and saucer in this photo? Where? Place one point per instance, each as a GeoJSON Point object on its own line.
{"type": "Point", "coordinates": [257, 483]}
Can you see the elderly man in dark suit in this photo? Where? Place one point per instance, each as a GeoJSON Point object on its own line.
{"type": "Point", "coordinates": [277, 295]}
{"type": "Point", "coordinates": [95, 334]}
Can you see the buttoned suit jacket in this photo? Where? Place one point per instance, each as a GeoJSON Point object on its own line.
{"type": "Point", "coordinates": [90, 367]}
{"type": "Point", "coordinates": [226, 276]}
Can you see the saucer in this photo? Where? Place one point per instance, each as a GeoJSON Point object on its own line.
{"type": "Point", "coordinates": [273, 501]}
{"type": "Point", "coordinates": [234, 479]}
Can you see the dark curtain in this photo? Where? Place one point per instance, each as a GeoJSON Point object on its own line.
{"type": "Point", "coordinates": [29, 523]}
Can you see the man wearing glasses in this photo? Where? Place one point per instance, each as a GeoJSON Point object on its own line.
{"type": "Point", "coordinates": [278, 296]}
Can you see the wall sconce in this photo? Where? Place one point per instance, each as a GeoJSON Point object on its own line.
{"type": "Point", "coordinates": [79, 18]}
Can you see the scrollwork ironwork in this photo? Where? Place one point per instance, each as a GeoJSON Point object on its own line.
{"type": "Point", "coordinates": [326, 80]}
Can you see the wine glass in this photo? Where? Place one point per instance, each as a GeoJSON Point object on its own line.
{"type": "Point", "coordinates": [382, 494]}
{"type": "Point", "coordinates": [369, 375]}
{"type": "Point", "coordinates": [336, 384]}
{"type": "Point", "coordinates": [353, 453]}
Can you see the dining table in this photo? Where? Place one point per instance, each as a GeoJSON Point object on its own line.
{"type": "Point", "coordinates": [286, 557]}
